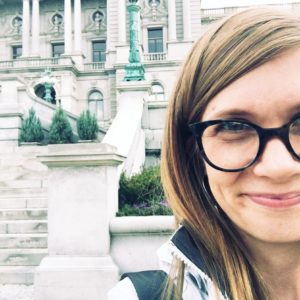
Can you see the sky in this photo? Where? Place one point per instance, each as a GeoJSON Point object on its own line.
{"type": "Point", "coordinates": [228, 3]}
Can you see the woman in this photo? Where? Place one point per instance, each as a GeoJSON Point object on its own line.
{"type": "Point", "coordinates": [231, 164]}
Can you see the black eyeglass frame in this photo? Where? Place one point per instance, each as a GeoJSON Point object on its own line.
{"type": "Point", "coordinates": [264, 135]}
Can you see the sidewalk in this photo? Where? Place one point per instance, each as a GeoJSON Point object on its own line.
{"type": "Point", "coordinates": [16, 292]}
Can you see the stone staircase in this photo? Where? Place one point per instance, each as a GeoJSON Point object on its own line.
{"type": "Point", "coordinates": [23, 218]}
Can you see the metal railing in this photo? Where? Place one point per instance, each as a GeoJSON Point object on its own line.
{"type": "Point", "coordinates": [155, 56]}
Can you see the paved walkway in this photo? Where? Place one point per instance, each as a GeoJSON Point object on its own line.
{"type": "Point", "coordinates": [16, 292]}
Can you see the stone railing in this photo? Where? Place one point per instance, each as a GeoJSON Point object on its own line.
{"type": "Point", "coordinates": [35, 62]}
{"type": "Point", "coordinates": [94, 66]}
{"type": "Point", "coordinates": [155, 56]}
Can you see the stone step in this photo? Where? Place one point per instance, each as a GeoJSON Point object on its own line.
{"type": "Point", "coordinates": [23, 241]}
{"type": "Point", "coordinates": [23, 202]}
{"type": "Point", "coordinates": [22, 183]}
{"type": "Point", "coordinates": [17, 275]}
{"type": "Point", "coordinates": [24, 226]}
{"type": "Point", "coordinates": [23, 214]}
{"type": "Point", "coordinates": [22, 191]}
{"type": "Point", "coordinates": [22, 257]}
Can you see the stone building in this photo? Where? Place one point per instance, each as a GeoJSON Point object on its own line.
{"type": "Point", "coordinates": [85, 44]}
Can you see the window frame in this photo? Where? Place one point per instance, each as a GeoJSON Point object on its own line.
{"type": "Point", "coordinates": [149, 29]}
{"type": "Point", "coordinates": [97, 105]}
{"type": "Point", "coordinates": [102, 53]}
{"type": "Point", "coordinates": [57, 44]}
{"type": "Point", "coordinates": [13, 47]}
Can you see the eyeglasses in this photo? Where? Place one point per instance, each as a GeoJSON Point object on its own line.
{"type": "Point", "coordinates": [234, 145]}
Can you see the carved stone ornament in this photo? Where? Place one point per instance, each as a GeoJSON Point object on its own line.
{"type": "Point", "coordinates": [16, 24]}
{"type": "Point", "coordinates": [57, 22]}
{"type": "Point", "coordinates": [154, 11]}
{"type": "Point", "coordinates": [97, 22]}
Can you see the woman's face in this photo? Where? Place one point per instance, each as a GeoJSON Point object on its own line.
{"type": "Point", "coordinates": [268, 96]}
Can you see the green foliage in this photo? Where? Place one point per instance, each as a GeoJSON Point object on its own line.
{"type": "Point", "coordinates": [87, 126]}
{"type": "Point", "coordinates": [142, 194]}
{"type": "Point", "coordinates": [60, 129]}
{"type": "Point", "coordinates": [31, 130]}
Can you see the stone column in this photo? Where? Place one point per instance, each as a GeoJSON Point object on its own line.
{"type": "Point", "coordinates": [77, 27]}
{"type": "Point", "coordinates": [187, 32]}
{"type": "Point", "coordinates": [122, 22]}
{"type": "Point", "coordinates": [35, 49]}
{"type": "Point", "coordinates": [82, 199]}
{"type": "Point", "coordinates": [171, 20]}
{"type": "Point", "coordinates": [68, 27]}
{"type": "Point", "coordinates": [26, 28]}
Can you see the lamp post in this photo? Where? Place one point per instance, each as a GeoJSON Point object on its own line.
{"type": "Point", "coordinates": [134, 69]}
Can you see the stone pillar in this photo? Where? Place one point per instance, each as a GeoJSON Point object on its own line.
{"type": "Point", "coordinates": [122, 22]}
{"type": "Point", "coordinates": [68, 27]}
{"type": "Point", "coordinates": [25, 28]}
{"type": "Point", "coordinates": [35, 49]}
{"type": "Point", "coordinates": [187, 31]}
{"type": "Point", "coordinates": [82, 199]}
{"type": "Point", "coordinates": [171, 20]}
{"type": "Point", "coordinates": [77, 27]}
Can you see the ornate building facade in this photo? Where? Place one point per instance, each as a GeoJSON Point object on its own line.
{"type": "Point", "coordinates": [84, 45]}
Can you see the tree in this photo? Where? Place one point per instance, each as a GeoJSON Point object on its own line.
{"type": "Point", "coordinates": [60, 129]}
{"type": "Point", "coordinates": [87, 126]}
{"type": "Point", "coordinates": [31, 130]}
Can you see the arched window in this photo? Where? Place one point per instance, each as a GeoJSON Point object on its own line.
{"type": "Point", "coordinates": [157, 92]}
{"type": "Point", "coordinates": [96, 104]}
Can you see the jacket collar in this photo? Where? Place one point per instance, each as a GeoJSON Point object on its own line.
{"type": "Point", "coordinates": [184, 242]}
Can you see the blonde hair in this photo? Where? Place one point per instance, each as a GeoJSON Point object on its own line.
{"type": "Point", "coordinates": [226, 52]}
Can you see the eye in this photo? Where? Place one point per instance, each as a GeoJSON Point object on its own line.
{"type": "Point", "coordinates": [230, 131]}
{"type": "Point", "coordinates": [232, 126]}
{"type": "Point", "coordinates": [295, 127]}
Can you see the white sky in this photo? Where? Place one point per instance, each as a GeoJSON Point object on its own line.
{"type": "Point", "coordinates": [229, 3]}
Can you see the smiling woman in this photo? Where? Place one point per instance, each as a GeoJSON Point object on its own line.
{"type": "Point", "coordinates": [231, 166]}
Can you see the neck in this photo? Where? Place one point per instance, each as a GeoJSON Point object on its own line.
{"type": "Point", "coordinates": [279, 265]}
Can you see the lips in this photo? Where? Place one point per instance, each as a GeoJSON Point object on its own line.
{"type": "Point", "coordinates": [275, 200]}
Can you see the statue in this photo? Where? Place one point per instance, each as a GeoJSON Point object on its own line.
{"type": "Point", "coordinates": [48, 83]}
{"type": "Point", "coordinates": [17, 25]}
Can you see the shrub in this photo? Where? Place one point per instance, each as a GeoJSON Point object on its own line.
{"type": "Point", "coordinates": [142, 194]}
{"type": "Point", "coordinates": [87, 126]}
{"type": "Point", "coordinates": [31, 130]}
{"type": "Point", "coordinates": [60, 129]}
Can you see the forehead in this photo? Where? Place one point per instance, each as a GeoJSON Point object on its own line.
{"type": "Point", "coordinates": [269, 92]}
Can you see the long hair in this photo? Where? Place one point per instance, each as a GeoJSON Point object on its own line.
{"type": "Point", "coordinates": [230, 49]}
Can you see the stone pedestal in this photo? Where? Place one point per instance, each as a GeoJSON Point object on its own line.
{"type": "Point", "coordinates": [82, 198]}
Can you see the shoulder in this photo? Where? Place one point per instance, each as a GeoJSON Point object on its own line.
{"type": "Point", "coordinates": [123, 290]}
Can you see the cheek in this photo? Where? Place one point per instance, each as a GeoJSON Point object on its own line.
{"type": "Point", "coordinates": [222, 184]}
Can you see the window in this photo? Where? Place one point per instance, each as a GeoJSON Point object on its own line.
{"type": "Point", "coordinates": [155, 40]}
{"type": "Point", "coordinates": [96, 104]}
{"type": "Point", "coordinates": [99, 49]}
{"type": "Point", "coordinates": [16, 51]}
{"type": "Point", "coordinates": [157, 92]}
{"type": "Point", "coordinates": [58, 49]}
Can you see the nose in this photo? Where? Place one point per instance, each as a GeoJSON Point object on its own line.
{"type": "Point", "coordinates": [276, 162]}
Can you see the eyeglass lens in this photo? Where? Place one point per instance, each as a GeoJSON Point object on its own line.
{"type": "Point", "coordinates": [234, 145]}
{"type": "Point", "coordinates": [294, 136]}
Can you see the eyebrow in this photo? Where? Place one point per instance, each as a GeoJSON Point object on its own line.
{"type": "Point", "coordinates": [233, 113]}
{"type": "Point", "coordinates": [240, 113]}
